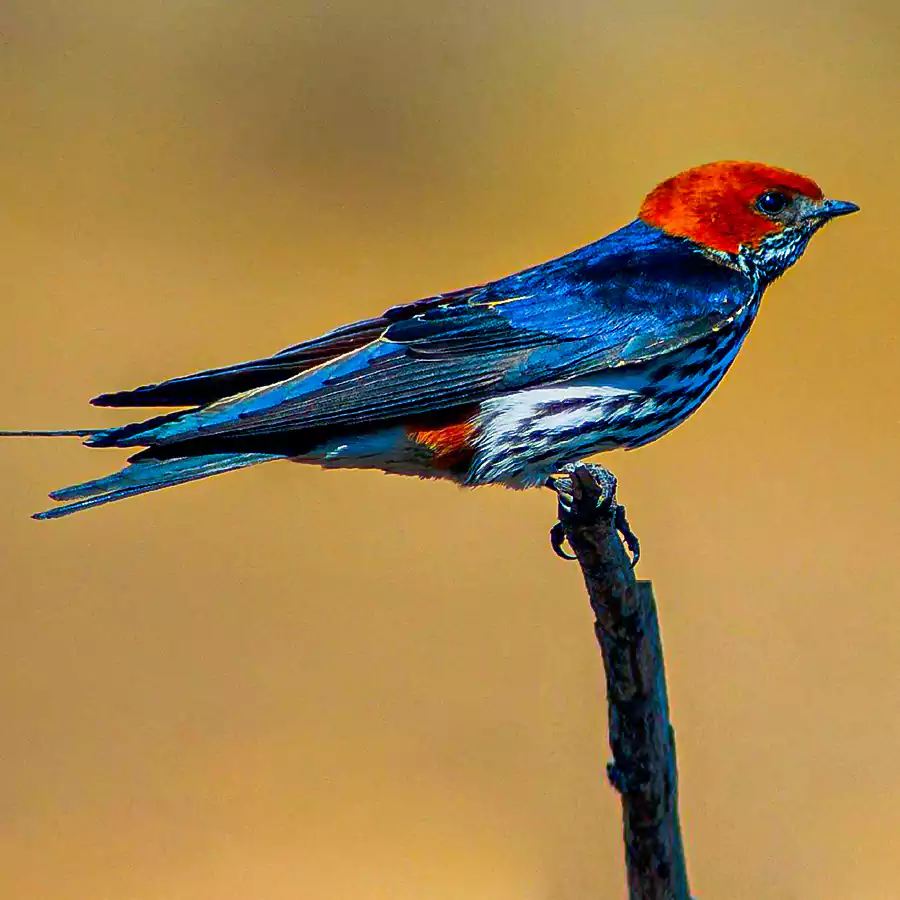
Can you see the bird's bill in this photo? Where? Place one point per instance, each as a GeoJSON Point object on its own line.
{"type": "Point", "coordinates": [831, 209]}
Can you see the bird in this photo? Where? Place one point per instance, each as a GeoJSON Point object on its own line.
{"type": "Point", "coordinates": [509, 382]}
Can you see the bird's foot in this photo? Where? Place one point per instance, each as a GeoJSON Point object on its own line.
{"type": "Point", "coordinates": [570, 485]}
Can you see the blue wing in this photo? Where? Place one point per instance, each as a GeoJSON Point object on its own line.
{"type": "Point", "coordinates": [626, 298]}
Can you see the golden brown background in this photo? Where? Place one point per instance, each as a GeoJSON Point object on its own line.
{"type": "Point", "coordinates": [294, 684]}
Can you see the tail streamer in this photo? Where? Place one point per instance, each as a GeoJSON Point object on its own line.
{"type": "Point", "coordinates": [75, 432]}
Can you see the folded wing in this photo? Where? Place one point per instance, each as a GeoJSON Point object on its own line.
{"type": "Point", "coordinates": [629, 297]}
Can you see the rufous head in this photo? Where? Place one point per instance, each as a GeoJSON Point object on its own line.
{"type": "Point", "coordinates": [732, 206]}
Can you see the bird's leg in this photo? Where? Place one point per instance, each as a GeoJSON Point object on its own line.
{"type": "Point", "coordinates": [567, 485]}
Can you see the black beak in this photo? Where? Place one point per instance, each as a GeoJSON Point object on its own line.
{"type": "Point", "coordinates": [831, 209]}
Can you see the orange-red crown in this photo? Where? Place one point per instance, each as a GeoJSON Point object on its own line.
{"type": "Point", "coordinates": [715, 204]}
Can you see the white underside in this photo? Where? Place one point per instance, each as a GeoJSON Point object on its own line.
{"type": "Point", "coordinates": [512, 428]}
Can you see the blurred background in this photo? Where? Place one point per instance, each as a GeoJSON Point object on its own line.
{"type": "Point", "coordinates": [290, 683]}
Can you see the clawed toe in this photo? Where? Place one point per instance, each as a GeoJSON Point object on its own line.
{"type": "Point", "coordinates": [558, 540]}
{"type": "Point", "coordinates": [569, 485]}
{"type": "Point", "coordinates": [630, 538]}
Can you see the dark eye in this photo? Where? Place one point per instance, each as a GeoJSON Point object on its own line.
{"type": "Point", "coordinates": [772, 202]}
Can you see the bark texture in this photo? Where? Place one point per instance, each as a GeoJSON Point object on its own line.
{"type": "Point", "coordinates": [641, 736]}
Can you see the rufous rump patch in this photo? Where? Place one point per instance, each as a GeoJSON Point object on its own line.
{"type": "Point", "coordinates": [715, 204]}
{"type": "Point", "coordinates": [450, 444]}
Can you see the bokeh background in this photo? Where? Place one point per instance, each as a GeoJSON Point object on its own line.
{"type": "Point", "coordinates": [289, 683]}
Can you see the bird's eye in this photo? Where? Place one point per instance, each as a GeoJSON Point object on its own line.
{"type": "Point", "coordinates": [771, 202]}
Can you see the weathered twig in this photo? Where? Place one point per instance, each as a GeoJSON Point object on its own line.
{"type": "Point", "coordinates": [643, 769]}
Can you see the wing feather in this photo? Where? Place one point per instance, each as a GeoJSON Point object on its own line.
{"type": "Point", "coordinates": [631, 296]}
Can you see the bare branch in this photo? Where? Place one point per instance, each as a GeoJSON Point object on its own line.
{"type": "Point", "coordinates": [643, 769]}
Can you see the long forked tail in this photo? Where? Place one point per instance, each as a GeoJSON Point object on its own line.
{"type": "Point", "coordinates": [145, 475]}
